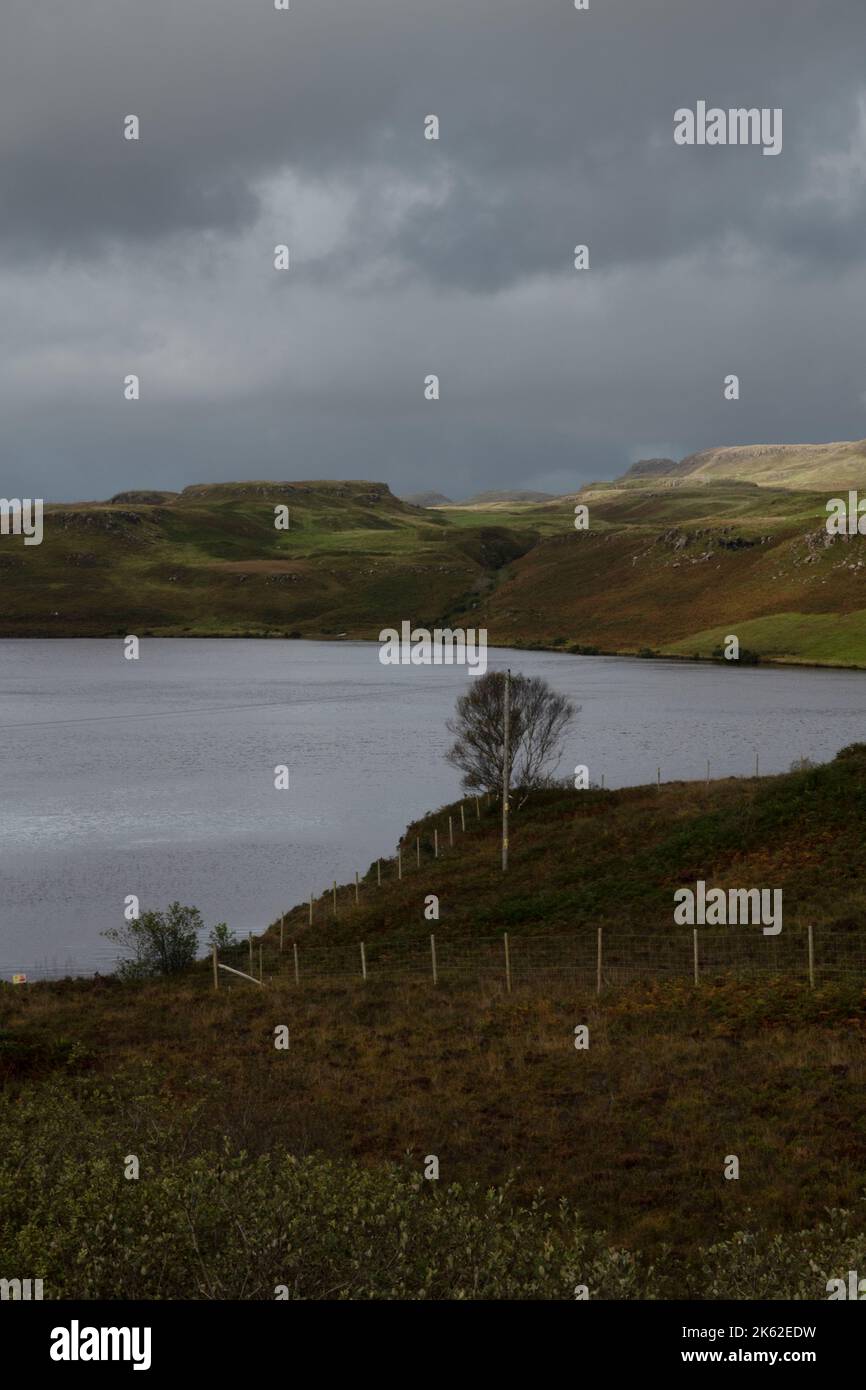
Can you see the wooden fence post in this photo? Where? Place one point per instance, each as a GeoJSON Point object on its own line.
{"type": "Point", "coordinates": [433, 959]}
{"type": "Point", "coordinates": [450, 833]}
{"type": "Point", "coordinates": [462, 816]}
{"type": "Point", "coordinates": [598, 964]}
{"type": "Point", "coordinates": [363, 962]}
{"type": "Point", "coordinates": [811, 957]}
{"type": "Point", "coordinates": [507, 963]}
{"type": "Point", "coordinates": [695, 944]}
{"type": "Point", "coordinates": [477, 809]}
{"type": "Point", "coordinates": [216, 969]}
{"type": "Point", "coordinates": [297, 970]}
{"type": "Point", "coordinates": [435, 844]}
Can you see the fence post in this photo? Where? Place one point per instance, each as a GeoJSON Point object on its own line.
{"type": "Point", "coordinates": [811, 957]}
{"type": "Point", "coordinates": [462, 816]}
{"type": "Point", "coordinates": [598, 965]}
{"type": "Point", "coordinates": [297, 971]}
{"type": "Point", "coordinates": [507, 963]}
{"type": "Point", "coordinates": [216, 969]}
{"type": "Point", "coordinates": [357, 899]}
{"type": "Point", "coordinates": [477, 809]}
{"type": "Point", "coordinates": [450, 833]}
{"type": "Point", "coordinates": [695, 942]}
{"type": "Point", "coordinates": [435, 844]}
{"type": "Point", "coordinates": [432, 958]}
{"type": "Point", "coordinates": [363, 962]}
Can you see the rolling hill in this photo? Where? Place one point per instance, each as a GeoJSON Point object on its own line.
{"type": "Point", "coordinates": [427, 499]}
{"type": "Point", "coordinates": [671, 563]}
{"type": "Point", "coordinates": [802, 467]}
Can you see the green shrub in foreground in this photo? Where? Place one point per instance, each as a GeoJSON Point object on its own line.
{"type": "Point", "coordinates": [204, 1224]}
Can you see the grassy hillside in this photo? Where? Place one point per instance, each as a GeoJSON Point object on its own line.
{"type": "Point", "coordinates": [675, 570]}
{"type": "Point", "coordinates": [801, 466]}
{"type": "Point", "coordinates": [209, 561]}
{"type": "Point", "coordinates": [662, 567]}
{"type": "Point", "coordinates": [304, 1166]}
{"type": "Point", "coordinates": [590, 858]}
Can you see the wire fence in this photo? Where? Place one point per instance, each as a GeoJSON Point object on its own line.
{"type": "Point", "coordinates": [600, 959]}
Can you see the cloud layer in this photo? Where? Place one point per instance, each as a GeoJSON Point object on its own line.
{"type": "Point", "coordinates": [408, 257]}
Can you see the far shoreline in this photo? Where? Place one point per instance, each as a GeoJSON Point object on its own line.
{"type": "Point", "coordinates": [649, 655]}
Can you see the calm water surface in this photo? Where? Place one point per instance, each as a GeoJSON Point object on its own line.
{"type": "Point", "coordinates": [155, 777]}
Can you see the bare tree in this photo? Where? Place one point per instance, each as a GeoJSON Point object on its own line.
{"type": "Point", "coordinates": [539, 718]}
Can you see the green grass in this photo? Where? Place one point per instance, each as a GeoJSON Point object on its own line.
{"type": "Point", "coordinates": [831, 639]}
{"type": "Point", "coordinates": [583, 859]}
{"type": "Point", "coordinates": [663, 568]}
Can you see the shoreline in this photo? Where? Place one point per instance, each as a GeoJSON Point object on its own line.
{"type": "Point", "coordinates": [791, 663]}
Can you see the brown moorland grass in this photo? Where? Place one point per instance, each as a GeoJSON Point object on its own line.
{"type": "Point", "coordinates": [635, 1129]}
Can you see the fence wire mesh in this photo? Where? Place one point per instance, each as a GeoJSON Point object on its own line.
{"type": "Point", "coordinates": [619, 958]}
{"type": "Point", "coordinates": [625, 957]}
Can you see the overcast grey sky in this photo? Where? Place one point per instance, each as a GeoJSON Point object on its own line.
{"type": "Point", "coordinates": [412, 257]}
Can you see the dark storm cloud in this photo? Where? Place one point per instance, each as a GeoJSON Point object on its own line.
{"type": "Point", "coordinates": [412, 256]}
{"type": "Point", "coordinates": [552, 121]}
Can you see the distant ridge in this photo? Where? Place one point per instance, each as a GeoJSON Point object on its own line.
{"type": "Point", "coordinates": [651, 468]}
{"type": "Point", "coordinates": [798, 467]}
{"type": "Point", "coordinates": [426, 499]}
{"type": "Point", "coordinates": [481, 498]}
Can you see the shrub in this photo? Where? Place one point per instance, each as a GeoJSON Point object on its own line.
{"type": "Point", "coordinates": [160, 943]}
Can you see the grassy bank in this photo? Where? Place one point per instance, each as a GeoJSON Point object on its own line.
{"type": "Point", "coordinates": [583, 859]}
